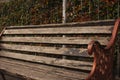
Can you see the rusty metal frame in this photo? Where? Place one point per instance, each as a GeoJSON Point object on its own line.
{"type": "Point", "coordinates": [103, 57]}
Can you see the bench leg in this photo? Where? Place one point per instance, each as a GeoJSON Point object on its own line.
{"type": "Point", "coordinates": [117, 75]}
{"type": "Point", "coordinates": [119, 60]}
{"type": "Point", "coordinates": [3, 77]}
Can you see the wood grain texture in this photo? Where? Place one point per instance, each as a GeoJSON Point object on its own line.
{"type": "Point", "coordinates": [46, 50]}
{"type": "Point", "coordinates": [48, 60]}
{"type": "Point", "coordinates": [40, 72]}
{"type": "Point", "coordinates": [86, 23]}
{"type": "Point", "coordinates": [62, 30]}
{"type": "Point", "coordinates": [57, 40]}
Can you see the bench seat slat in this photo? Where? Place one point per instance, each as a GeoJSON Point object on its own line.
{"type": "Point", "coordinates": [62, 30]}
{"type": "Point", "coordinates": [56, 40]}
{"type": "Point", "coordinates": [40, 71]}
{"type": "Point", "coordinates": [46, 50]}
{"type": "Point", "coordinates": [48, 60]}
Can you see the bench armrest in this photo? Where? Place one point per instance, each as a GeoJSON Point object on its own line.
{"type": "Point", "coordinates": [111, 42]}
{"type": "Point", "coordinates": [103, 57]}
{"type": "Point", "coordinates": [114, 35]}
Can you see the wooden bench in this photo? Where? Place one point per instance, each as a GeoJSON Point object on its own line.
{"type": "Point", "coordinates": [58, 51]}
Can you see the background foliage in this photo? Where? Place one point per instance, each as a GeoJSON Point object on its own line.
{"type": "Point", "coordinates": [27, 12]}
{"type": "Point", "coordinates": [84, 10]}
{"type": "Point", "coordinates": [24, 12]}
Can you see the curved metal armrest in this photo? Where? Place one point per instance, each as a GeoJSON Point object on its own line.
{"type": "Point", "coordinates": [114, 35]}
{"type": "Point", "coordinates": [111, 42]}
{"type": "Point", "coordinates": [103, 63]}
{"type": "Point", "coordinates": [94, 47]}
{"type": "Point", "coordinates": [91, 46]}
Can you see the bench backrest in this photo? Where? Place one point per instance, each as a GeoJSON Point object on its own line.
{"type": "Point", "coordinates": [61, 45]}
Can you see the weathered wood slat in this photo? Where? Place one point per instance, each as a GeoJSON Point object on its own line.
{"type": "Point", "coordinates": [56, 40]}
{"type": "Point", "coordinates": [46, 50]}
{"type": "Point", "coordinates": [62, 30]}
{"type": "Point", "coordinates": [86, 23]}
{"type": "Point", "coordinates": [47, 60]}
{"type": "Point", "coordinates": [38, 72]}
